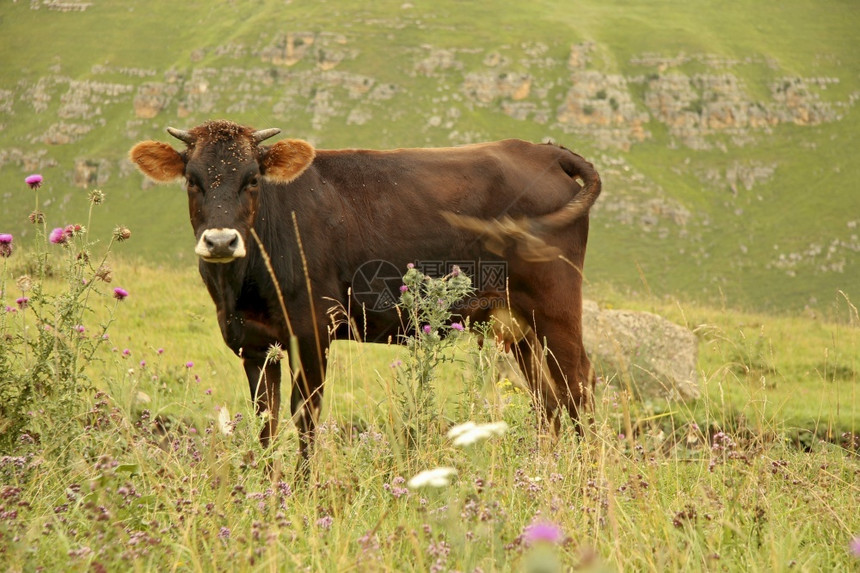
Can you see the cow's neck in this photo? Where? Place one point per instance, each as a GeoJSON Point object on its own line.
{"type": "Point", "coordinates": [224, 282]}
{"type": "Point", "coordinates": [274, 227]}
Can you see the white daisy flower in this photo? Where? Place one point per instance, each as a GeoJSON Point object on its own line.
{"type": "Point", "coordinates": [470, 433]}
{"type": "Point", "coordinates": [224, 422]}
{"type": "Point", "coordinates": [437, 477]}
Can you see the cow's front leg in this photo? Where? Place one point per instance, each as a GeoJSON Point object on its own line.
{"type": "Point", "coordinates": [265, 382]}
{"type": "Point", "coordinates": [306, 402]}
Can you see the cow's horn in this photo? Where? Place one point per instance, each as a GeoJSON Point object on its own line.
{"type": "Point", "coordinates": [265, 134]}
{"type": "Point", "coordinates": [181, 135]}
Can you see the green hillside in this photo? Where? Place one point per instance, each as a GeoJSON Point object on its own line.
{"type": "Point", "coordinates": [726, 135]}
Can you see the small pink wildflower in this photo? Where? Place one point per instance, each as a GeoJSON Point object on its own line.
{"type": "Point", "coordinates": [189, 364]}
{"type": "Point", "coordinates": [126, 352]}
{"type": "Point", "coordinates": [427, 329]}
{"type": "Point", "coordinates": [34, 181]}
{"type": "Point", "coordinates": [403, 288]}
{"type": "Point", "coordinates": [22, 302]}
{"type": "Point", "coordinates": [457, 326]}
{"type": "Point", "coordinates": [5, 245]}
{"type": "Point", "coordinates": [120, 293]}
{"type": "Point", "coordinates": [542, 532]}
{"type": "Point", "coordinates": [58, 236]}
{"type": "Point", "coordinates": [854, 546]}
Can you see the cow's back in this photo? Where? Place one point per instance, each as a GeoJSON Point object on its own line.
{"type": "Point", "coordinates": [510, 177]}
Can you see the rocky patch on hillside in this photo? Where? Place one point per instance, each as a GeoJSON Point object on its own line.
{"type": "Point", "coordinates": [60, 6]}
{"type": "Point", "coordinates": [601, 105]}
{"type": "Point", "coordinates": [315, 79]}
{"type": "Point", "coordinates": [562, 89]}
{"type": "Point", "coordinates": [325, 50]}
{"type": "Point", "coordinates": [695, 107]}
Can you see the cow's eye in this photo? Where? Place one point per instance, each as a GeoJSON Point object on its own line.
{"type": "Point", "coordinates": [193, 187]}
{"type": "Point", "coordinates": [253, 182]}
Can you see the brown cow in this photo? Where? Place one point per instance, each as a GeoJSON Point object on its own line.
{"type": "Point", "coordinates": [323, 216]}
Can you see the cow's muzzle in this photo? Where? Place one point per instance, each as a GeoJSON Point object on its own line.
{"type": "Point", "coordinates": [220, 245]}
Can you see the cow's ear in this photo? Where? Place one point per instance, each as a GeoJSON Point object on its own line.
{"type": "Point", "coordinates": [287, 159]}
{"type": "Point", "coordinates": [157, 160]}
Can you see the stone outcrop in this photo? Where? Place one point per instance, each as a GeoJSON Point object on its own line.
{"type": "Point", "coordinates": [644, 352]}
{"type": "Point", "coordinates": [325, 50]}
{"type": "Point", "coordinates": [485, 87]}
{"type": "Point", "coordinates": [638, 351]}
{"type": "Point", "coordinates": [601, 105]}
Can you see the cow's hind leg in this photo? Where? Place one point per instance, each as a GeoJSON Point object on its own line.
{"type": "Point", "coordinates": [569, 366]}
{"type": "Point", "coordinates": [532, 361]}
{"type": "Point", "coordinates": [557, 369]}
{"type": "Point", "coordinates": [264, 380]}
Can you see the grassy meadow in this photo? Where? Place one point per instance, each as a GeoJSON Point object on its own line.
{"type": "Point", "coordinates": [141, 469]}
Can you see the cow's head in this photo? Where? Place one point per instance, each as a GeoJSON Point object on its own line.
{"type": "Point", "coordinates": [223, 165]}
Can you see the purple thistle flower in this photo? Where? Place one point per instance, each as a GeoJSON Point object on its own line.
{"type": "Point", "coordinates": [58, 236]}
{"type": "Point", "coordinates": [457, 326]}
{"type": "Point", "coordinates": [427, 329]}
{"type": "Point", "coordinates": [160, 351]}
{"type": "Point", "coordinates": [22, 302]}
{"type": "Point", "coordinates": [854, 546]}
{"type": "Point", "coordinates": [410, 266]}
{"type": "Point", "coordinates": [126, 352]}
{"type": "Point", "coordinates": [542, 532]}
{"type": "Point", "coordinates": [120, 293]}
{"type": "Point", "coordinates": [5, 245]}
{"type": "Point", "coordinates": [80, 328]}
{"type": "Point", "coordinates": [403, 288]}
{"type": "Point", "coordinates": [224, 533]}
{"type": "Point", "coordinates": [34, 181]}
{"type": "Point", "coordinates": [189, 364]}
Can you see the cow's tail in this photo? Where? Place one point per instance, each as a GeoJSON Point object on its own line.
{"type": "Point", "coordinates": [525, 233]}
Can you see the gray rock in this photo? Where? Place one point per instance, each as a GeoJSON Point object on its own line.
{"type": "Point", "coordinates": [655, 357]}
